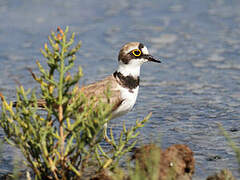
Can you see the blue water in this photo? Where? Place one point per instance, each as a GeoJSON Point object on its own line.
{"type": "Point", "coordinates": [195, 88]}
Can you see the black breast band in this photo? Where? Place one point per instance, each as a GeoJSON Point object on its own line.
{"type": "Point", "coordinates": [127, 81]}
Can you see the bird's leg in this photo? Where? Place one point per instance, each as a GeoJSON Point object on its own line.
{"type": "Point", "coordinates": [105, 133]}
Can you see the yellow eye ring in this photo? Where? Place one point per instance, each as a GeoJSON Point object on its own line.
{"type": "Point", "coordinates": [136, 52]}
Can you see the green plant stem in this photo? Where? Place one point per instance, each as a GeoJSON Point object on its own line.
{"type": "Point", "coordinates": [60, 108]}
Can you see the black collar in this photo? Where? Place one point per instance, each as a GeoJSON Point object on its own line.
{"type": "Point", "coordinates": [126, 81]}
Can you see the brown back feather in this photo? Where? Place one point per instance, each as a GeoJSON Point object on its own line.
{"type": "Point", "coordinates": [99, 90]}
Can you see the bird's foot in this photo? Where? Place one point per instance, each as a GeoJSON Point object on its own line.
{"type": "Point", "coordinates": [107, 139]}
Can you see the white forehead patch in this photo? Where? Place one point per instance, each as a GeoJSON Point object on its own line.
{"type": "Point", "coordinates": [145, 50]}
{"type": "Point", "coordinates": [130, 49]}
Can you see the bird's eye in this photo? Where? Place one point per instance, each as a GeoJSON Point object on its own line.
{"type": "Point", "coordinates": [136, 52]}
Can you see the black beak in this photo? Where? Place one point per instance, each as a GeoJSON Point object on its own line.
{"type": "Point", "coordinates": [151, 58]}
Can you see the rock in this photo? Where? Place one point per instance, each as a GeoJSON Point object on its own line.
{"type": "Point", "coordinates": [176, 162]}
{"type": "Point", "coordinates": [222, 175]}
{"type": "Point", "coordinates": [103, 175]}
{"type": "Point", "coordinates": [106, 174]}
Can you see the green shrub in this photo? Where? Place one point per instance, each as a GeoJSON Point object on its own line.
{"type": "Point", "coordinates": [64, 141]}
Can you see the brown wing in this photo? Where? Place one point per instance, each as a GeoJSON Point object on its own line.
{"type": "Point", "coordinates": [99, 90]}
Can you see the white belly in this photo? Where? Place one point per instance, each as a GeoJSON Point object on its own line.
{"type": "Point", "coordinates": [129, 97]}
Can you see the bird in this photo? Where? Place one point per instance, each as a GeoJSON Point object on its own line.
{"type": "Point", "coordinates": [123, 83]}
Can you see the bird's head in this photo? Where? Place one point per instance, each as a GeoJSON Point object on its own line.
{"type": "Point", "coordinates": [135, 53]}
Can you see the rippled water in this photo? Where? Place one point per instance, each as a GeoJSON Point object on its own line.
{"type": "Point", "coordinates": [195, 88]}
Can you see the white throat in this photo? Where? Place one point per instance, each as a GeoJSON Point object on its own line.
{"type": "Point", "coordinates": [132, 68]}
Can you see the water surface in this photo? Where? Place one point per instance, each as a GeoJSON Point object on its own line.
{"type": "Point", "coordinates": [195, 88]}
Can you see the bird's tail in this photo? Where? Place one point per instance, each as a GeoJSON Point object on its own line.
{"type": "Point", "coordinates": [40, 103]}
